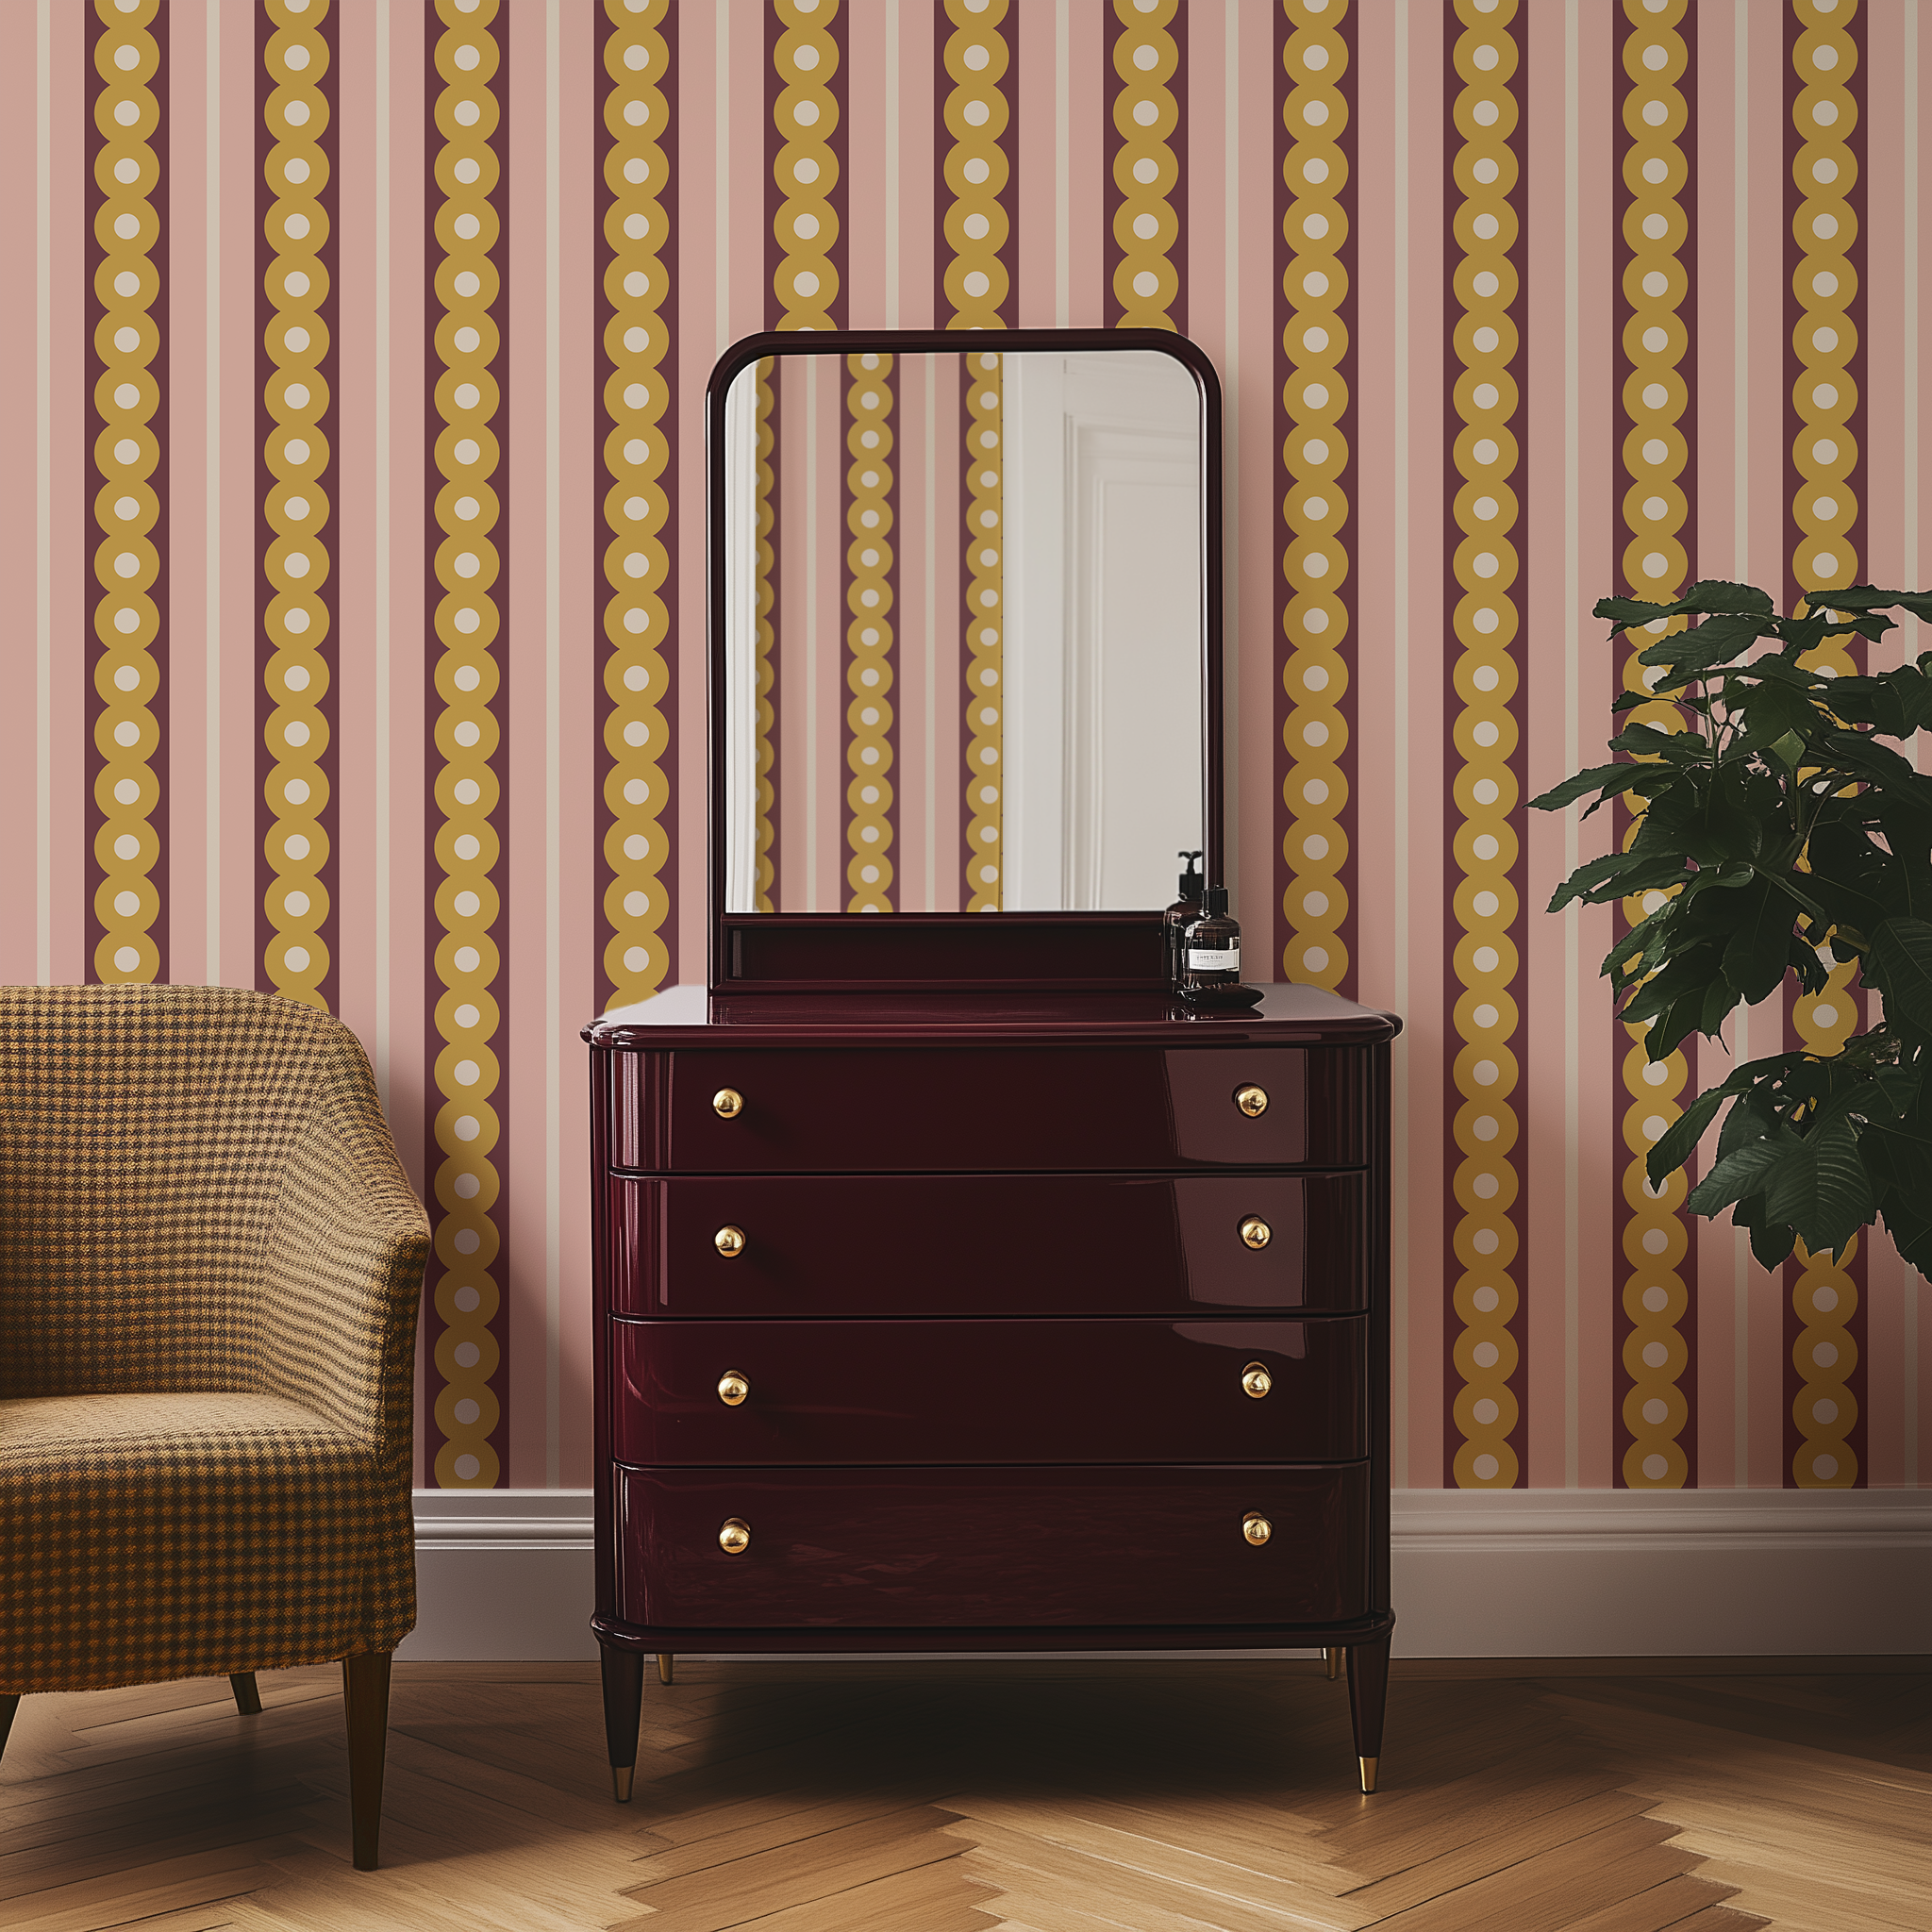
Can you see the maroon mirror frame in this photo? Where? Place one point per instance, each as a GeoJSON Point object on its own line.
{"type": "Point", "coordinates": [826, 952]}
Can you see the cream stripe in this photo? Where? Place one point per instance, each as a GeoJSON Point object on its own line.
{"type": "Point", "coordinates": [553, 745]}
{"type": "Point", "coordinates": [1572, 702]}
{"type": "Point", "coordinates": [43, 498]}
{"type": "Point", "coordinates": [1062, 166]}
{"type": "Point", "coordinates": [1908, 564]}
{"type": "Point", "coordinates": [720, 109]}
{"type": "Point", "coordinates": [379, 1055]}
{"type": "Point", "coordinates": [1399, 1149]}
{"type": "Point", "coordinates": [211, 970]}
{"type": "Point", "coordinates": [1742, 108]}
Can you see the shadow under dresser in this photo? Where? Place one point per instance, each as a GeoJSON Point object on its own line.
{"type": "Point", "coordinates": [970, 1322]}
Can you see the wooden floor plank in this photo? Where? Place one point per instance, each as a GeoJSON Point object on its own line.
{"type": "Point", "coordinates": [1032, 1795]}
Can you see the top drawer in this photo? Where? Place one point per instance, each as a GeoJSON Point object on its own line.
{"type": "Point", "coordinates": [750, 1110]}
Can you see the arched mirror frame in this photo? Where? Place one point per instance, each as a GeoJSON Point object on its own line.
{"type": "Point", "coordinates": [788, 952]}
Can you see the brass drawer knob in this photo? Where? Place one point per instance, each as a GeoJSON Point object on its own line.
{"type": "Point", "coordinates": [735, 1538]}
{"type": "Point", "coordinates": [1255, 1380]}
{"type": "Point", "coordinates": [729, 1241]}
{"type": "Point", "coordinates": [1255, 1231]}
{"type": "Point", "coordinates": [732, 1388]}
{"type": "Point", "coordinates": [1256, 1528]}
{"type": "Point", "coordinates": [1253, 1101]}
{"type": "Point", "coordinates": [728, 1102]}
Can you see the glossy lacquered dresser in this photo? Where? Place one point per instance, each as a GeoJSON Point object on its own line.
{"type": "Point", "coordinates": [983, 1321]}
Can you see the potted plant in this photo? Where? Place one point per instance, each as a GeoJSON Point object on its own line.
{"type": "Point", "coordinates": [1779, 824]}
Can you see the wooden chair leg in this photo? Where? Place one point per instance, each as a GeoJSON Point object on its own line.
{"type": "Point", "coordinates": [9, 1703]}
{"type": "Point", "coordinates": [664, 1662]}
{"type": "Point", "coordinates": [247, 1698]}
{"type": "Point", "coordinates": [623, 1701]}
{"type": "Point", "coordinates": [1331, 1662]}
{"type": "Point", "coordinates": [365, 1701]}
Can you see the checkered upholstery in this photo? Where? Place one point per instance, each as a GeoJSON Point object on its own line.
{"type": "Point", "coordinates": [210, 1268]}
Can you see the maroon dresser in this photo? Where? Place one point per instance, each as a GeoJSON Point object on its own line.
{"type": "Point", "coordinates": [970, 1321]}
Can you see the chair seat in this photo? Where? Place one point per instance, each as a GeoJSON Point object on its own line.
{"type": "Point", "coordinates": [153, 1537]}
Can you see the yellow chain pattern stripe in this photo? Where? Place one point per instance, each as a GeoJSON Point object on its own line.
{"type": "Point", "coordinates": [975, 56]}
{"type": "Point", "coordinates": [296, 563]}
{"type": "Point", "coordinates": [1485, 566]}
{"type": "Point", "coordinates": [126, 452]}
{"type": "Point", "coordinates": [1656, 397]}
{"type": "Point", "coordinates": [986, 590]}
{"type": "Point", "coordinates": [636, 622]}
{"type": "Point", "coordinates": [1824, 508]}
{"type": "Point", "coordinates": [806, 169]}
{"type": "Point", "coordinates": [869, 632]}
{"type": "Point", "coordinates": [767, 642]}
{"type": "Point", "coordinates": [468, 619]}
{"type": "Point", "coordinates": [1145, 168]}
{"type": "Point", "coordinates": [1314, 562]}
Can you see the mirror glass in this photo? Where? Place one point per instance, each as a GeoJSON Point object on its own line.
{"type": "Point", "coordinates": [963, 631]}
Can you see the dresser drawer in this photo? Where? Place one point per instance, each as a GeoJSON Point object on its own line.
{"type": "Point", "coordinates": [963, 1110]}
{"type": "Point", "coordinates": [992, 1244]}
{"type": "Point", "coordinates": [1004, 1548]}
{"type": "Point", "coordinates": [988, 1392]}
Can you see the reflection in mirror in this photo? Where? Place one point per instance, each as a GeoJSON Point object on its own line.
{"type": "Point", "coordinates": [962, 624]}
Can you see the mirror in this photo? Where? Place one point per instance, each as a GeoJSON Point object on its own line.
{"type": "Point", "coordinates": [960, 622]}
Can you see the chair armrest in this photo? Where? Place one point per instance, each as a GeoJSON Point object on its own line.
{"type": "Point", "coordinates": [343, 1272]}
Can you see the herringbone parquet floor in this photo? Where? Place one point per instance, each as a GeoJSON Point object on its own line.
{"type": "Point", "coordinates": [1116, 1796]}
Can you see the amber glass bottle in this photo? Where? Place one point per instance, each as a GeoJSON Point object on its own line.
{"type": "Point", "coordinates": [1187, 904]}
{"type": "Point", "coordinates": [1211, 946]}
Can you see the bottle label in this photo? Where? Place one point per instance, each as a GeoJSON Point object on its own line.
{"type": "Point", "coordinates": [1222, 959]}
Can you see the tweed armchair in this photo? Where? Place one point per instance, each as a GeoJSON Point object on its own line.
{"type": "Point", "coordinates": [210, 1267]}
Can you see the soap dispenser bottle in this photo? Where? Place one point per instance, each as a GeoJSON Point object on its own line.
{"type": "Point", "coordinates": [1211, 946]}
{"type": "Point", "coordinates": [1185, 906]}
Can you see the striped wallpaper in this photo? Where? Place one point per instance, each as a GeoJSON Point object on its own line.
{"type": "Point", "coordinates": [352, 406]}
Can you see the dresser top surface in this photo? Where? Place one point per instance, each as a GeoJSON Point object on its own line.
{"type": "Point", "coordinates": [692, 1016]}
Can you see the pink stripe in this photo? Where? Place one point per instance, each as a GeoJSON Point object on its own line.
{"type": "Point", "coordinates": [1091, 84]}
{"type": "Point", "coordinates": [72, 508]}
{"type": "Point", "coordinates": [919, 48]}
{"type": "Point", "coordinates": [790, 479]}
{"type": "Point", "coordinates": [19, 484]}
{"type": "Point", "coordinates": [867, 162]}
{"type": "Point", "coordinates": [579, 960]}
{"type": "Point", "coordinates": [1030, 31]}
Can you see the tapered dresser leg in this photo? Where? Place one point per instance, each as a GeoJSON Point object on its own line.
{"type": "Point", "coordinates": [247, 1698]}
{"type": "Point", "coordinates": [9, 1703]}
{"type": "Point", "coordinates": [365, 1700]}
{"type": "Point", "coordinates": [623, 1703]}
{"type": "Point", "coordinates": [1368, 1695]}
{"type": "Point", "coordinates": [1332, 1661]}
{"type": "Point", "coordinates": [664, 1667]}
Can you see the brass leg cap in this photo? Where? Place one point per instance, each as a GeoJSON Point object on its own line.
{"type": "Point", "coordinates": [1332, 1658]}
{"type": "Point", "coordinates": [664, 1666]}
{"type": "Point", "coordinates": [620, 1776]}
{"type": "Point", "coordinates": [1368, 1765]}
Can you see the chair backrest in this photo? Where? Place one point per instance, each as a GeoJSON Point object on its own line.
{"type": "Point", "coordinates": [143, 1135]}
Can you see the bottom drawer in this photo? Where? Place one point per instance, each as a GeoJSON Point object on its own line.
{"type": "Point", "coordinates": [998, 1547]}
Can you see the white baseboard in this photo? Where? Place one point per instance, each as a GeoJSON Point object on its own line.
{"type": "Point", "coordinates": [506, 1574]}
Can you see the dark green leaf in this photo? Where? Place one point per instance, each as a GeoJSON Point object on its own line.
{"type": "Point", "coordinates": [1773, 710]}
{"type": "Point", "coordinates": [1675, 1145]}
{"type": "Point", "coordinates": [1755, 959]}
{"type": "Point", "coordinates": [1899, 1161]}
{"type": "Point", "coordinates": [1617, 877]}
{"type": "Point", "coordinates": [1822, 1188]}
{"type": "Point", "coordinates": [1608, 778]}
{"type": "Point", "coordinates": [1864, 597]}
{"type": "Point", "coordinates": [1902, 953]}
{"type": "Point", "coordinates": [1715, 595]}
{"type": "Point", "coordinates": [1716, 640]}
{"type": "Point", "coordinates": [1740, 1173]}
{"type": "Point", "coordinates": [1771, 1242]}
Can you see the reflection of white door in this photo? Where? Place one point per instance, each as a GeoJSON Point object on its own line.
{"type": "Point", "coordinates": [1103, 656]}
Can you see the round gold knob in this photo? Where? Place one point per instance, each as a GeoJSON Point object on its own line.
{"type": "Point", "coordinates": [732, 1388]}
{"type": "Point", "coordinates": [729, 1241]}
{"type": "Point", "coordinates": [1255, 1231]}
{"type": "Point", "coordinates": [1256, 1528]}
{"type": "Point", "coordinates": [728, 1102]}
{"type": "Point", "coordinates": [1253, 1101]}
{"type": "Point", "coordinates": [1255, 1380]}
{"type": "Point", "coordinates": [735, 1538]}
